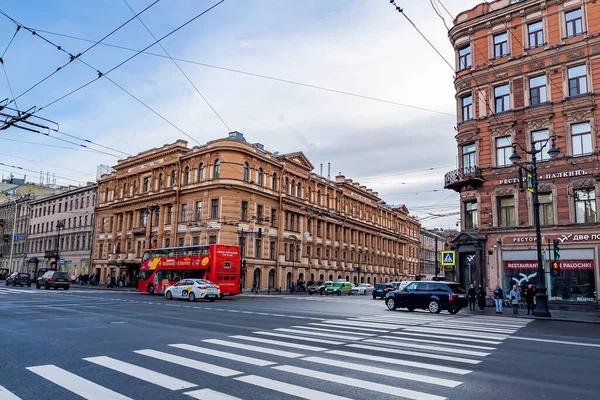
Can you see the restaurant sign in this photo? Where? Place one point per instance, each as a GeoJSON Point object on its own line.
{"type": "Point", "coordinates": [580, 237]}
{"type": "Point", "coordinates": [579, 172]}
{"type": "Point", "coordinates": [564, 265]}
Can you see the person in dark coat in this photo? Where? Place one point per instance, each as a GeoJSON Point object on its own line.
{"type": "Point", "coordinates": [481, 298]}
{"type": "Point", "coordinates": [472, 294]}
{"type": "Point", "coordinates": [529, 297]}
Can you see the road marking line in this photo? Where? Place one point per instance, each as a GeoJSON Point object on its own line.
{"type": "Point", "coordinates": [242, 346]}
{"type": "Point", "coordinates": [332, 325]}
{"type": "Point", "coordinates": [348, 322]}
{"type": "Point", "coordinates": [222, 354]}
{"type": "Point", "coordinates": [166, 381]}
{"type": "Point", "coordinates": [358, 383]}
{"type": "Point", "coordinates": [404, 333]}
{"type": "Point", "coordinates": [311, 333]}
{"type": "Point", "coordinates": [307, 339]}
{"type": "Point", "coordinates": [209, 394]}
{"type": "Point", "coordinates": [279, 343]}
{"type": "Point", "coordinates": [287, 388]}
{"type": "Point", "coordinates": [6, 395]}
{"type": "Point", "coordinates": [440, 343]}
{"type": "Point", "coordinates": [333, 330]}
{"type": "Point", "coordinates": [473, 328]}
{"type": "Point", "coordinates": [555, 341]}
{"type": "Point", "coordinates": [415, 354]}
{"type": "Point", "coordinates": [414, 364]}
{"type": "Point", "coordinates": [385, 372]}
{"type": "Point", "coordinates": [76, 384]}
{"type": "Point", "coordinates": [481, 335]}
{"type": "Point", "coordinates": [427, 347]}
{"type": "Point", "coordinates": [508, 320]}
{"type": "Point", "coordinates": [188, 362]}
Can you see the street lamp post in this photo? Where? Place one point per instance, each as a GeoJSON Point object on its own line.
{"type": "Point", "coordinates": [59, 225]}
{"type": "Point", "coordinates": [541, 308]}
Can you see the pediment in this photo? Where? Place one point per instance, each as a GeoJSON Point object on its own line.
{"type": "Point", "coordinates": [464, 238]}
{"type": "Point", "coordinates": [299, 159]}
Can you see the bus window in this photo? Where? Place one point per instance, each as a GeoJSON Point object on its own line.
{"type": "Point", "coordinates": [146, 256]}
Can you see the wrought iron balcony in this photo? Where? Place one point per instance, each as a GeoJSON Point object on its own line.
{"type": "Point", "coordinates": [463, 176]}
{"type": "Point", "coordinates": [140, 230]}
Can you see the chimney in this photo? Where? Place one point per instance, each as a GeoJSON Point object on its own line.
{"type": "Point", "coordinates": [328, 170]}
{"type": "Point", "coordinates": [321, 169]}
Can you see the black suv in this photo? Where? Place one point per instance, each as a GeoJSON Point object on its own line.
{"type": "Point", "coordinates": [53, 279]}
{"type": "Point", "coordinates": [18, 278]}
{"type": "Point", "coordinates": [381, 289]}
{"type": "Point", "coordinates": [434, 296]}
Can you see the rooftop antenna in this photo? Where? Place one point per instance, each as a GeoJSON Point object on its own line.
{"type": "Point", "coordinates": [329, 170]}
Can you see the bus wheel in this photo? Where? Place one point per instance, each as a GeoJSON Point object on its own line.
{"type": "Point", "coordinates": [151, 289]}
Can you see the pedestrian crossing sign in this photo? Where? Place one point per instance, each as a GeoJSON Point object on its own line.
{"type": "Point", "coordinates": [449, 258]}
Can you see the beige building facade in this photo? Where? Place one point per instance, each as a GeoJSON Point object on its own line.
{"type": "Point", "coordinates": [229, 190]}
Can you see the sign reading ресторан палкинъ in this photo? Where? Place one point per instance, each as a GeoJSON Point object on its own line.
{"type": "Point", "coordinates": [566, 237]}
{"type": "Point", "coordinates": [569, 174]}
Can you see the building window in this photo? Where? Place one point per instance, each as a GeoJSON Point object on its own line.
{"type": "Point", "coordinates": [574, 22]}
{"type": "Point", "coordinates": [273, 217]}
{"type": "Point", "coordinates": [471, 215]}
{"type": "Point", "coordinates": [501, 45]}
{"type": "Point", "coordinates": [539, 139]}
{"type": "Point", "coordinates": [160, 183]}
{"type": "Point", "coordinates": [195, 240]}
{"type": "Point", "coordinates": [198, 210]}
{"type": "Point", "coordinates": [217, 172]}
{"type": "Point", "coordinates": [212, 239]}
{"type": "Point", "coordinates": [201, 172]}
{"type": "Point", "coordinates": [469, 157]}
{"type": "Point", "coordinates": [244, 211]}
{"type": "Point", "coordinates": [167, 242]}
{"type": "Point", "coordinates": [146, 184]}
{"type": "Point", "coordinates": [502, 98]}
{"type": "Point", "coordinates": [503, 151]}
{"type": "Point", "coordinates": [259, 177]}
{"type": "Point", "coordinates": [181, 242]}
{"type": "Point", "coordinates": [467, 107]}
{"type": "Point", "coordinates": [537, 90]}
{"type": "Point", "coordinates": [214, 208]}
{"type": "Point", "coordinates": [259, 214]}
{"type": "Point", "coordinates": [183, 213]}
{"type": "Point", "coordinates": [272, 250]}
{"type": "Point", "coordinates": [169, 215]}
{"type": "Point", "coordinates": [257, 248]}
{"type": "Point", "coordinates": [536, 34]}
{"type": "Point", "coordinates": [186, 175]}
{"type": "Point", "coordinates": [319, 229]}
{"type": "Point", "coordinates": [506, 211]}
{"type": "Point", "coordinates": [246, 173]}
{"type": "Point", "coordinates": [581, 136]}
{"type": "Point", "coordinates": [546, 209]}
{"type": "Point", "coordinates": [577, 80]}
{"type": "Point", "coordinates": [585, 206]}
{"type": "Point", "coordinates": [464, 57]}
{"type": "Point", "coordinates": [173, 178]}
{"type": "Point", "coordinates": [274, 182]}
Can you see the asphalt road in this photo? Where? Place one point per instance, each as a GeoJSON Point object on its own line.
{"type": "Point", "coordinates": [113, 345]}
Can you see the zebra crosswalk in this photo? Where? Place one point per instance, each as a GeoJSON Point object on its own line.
{"type": "Point", "coordinates": [407, 356]}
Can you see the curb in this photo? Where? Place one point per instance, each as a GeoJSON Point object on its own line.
{"type": "Point", "coordinates": [104, 289]}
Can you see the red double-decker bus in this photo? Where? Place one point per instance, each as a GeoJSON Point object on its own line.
{"type": "Point", "coordinates": [218, 263]}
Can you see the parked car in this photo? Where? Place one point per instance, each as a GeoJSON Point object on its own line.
{"type": "Point", "coordinates": [18, 278]}
{"type": "Point", "coordinates": [319, 287]}
{"type": "Point", "coordinates": [54, 280]}
{"type": "Point", "coordinates": [381, 289]}
{"type": "Point", "coordinates": [192, 289]}
{"type": "Point", "coordinates": [363, 288]}
{"type": "Point", "coordinates": [339, 288]}
{"type": "Point", "coordinates": [434, 296]}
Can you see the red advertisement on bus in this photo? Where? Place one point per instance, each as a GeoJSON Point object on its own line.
{"type": "Point", "coordinates": [218, 263]}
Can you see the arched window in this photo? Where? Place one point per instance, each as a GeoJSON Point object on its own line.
{"type": "Point", "coordinates": [327, 205]}
{"type": "Point", "coordinates": [159, 183]}
{"type": "Point", "coordinates": [186, 175]}
{"type": "Point", "coordinates": [330, 277]}
{"type": "Point", "coordinates": [172, 178]}
{"type": "Point", "coordinates": [259, 177]}
{"type": "Point", "coordinates": [105, 197]}
{"type": "Point", "coordinates": [217, 174]}
{"type": "Point", "coordinates": [318, 197]}
{"type": "Point", "coordinates": [246, 173]}
{"type": "Point", "coordinates": [287, 186]}
{"type": "Point", "coordinates": [125, 190]}
{"type": "Point", "coordinates": [201, 173]}
{"type": "Point", "coordinates": [299, 190]}
{"type": "Point", "coordinates": [274, 182]}
{"type": "Point", "coordinates": [308, 194]}
{"type": "Point", "coordinates": [293, 188]}
{"type": "Point", "coordinates": [134, 187]}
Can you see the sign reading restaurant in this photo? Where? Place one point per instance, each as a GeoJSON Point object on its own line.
{"type": "Point", "coordinates": [570, 174]}
{"type": "Point", "coordinates": [565, 265]}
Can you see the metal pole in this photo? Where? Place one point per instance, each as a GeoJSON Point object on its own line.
{"type": "Point", "coordinates": [436, 257]}
{"type": "Point", "coordinates": [541, 308]}
{"type": "Point", "coordinates": [12, 241]}
{"type": "Point", "coordinates": [57, 245]}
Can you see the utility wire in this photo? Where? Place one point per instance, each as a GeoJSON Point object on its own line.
{"type": "Point", "coordinates": [179, 68]}
{"type": "Point", "coordinates": [34, 171]}
{"type": "Point", "coordinates": [71, 56]}
{"type": "Point", "coordinates": [9, 86]}
{"type": "Point", "coordinates": [444, 7]}
{"type": "Point", "coordinates": [44, 144]}
{"type": "Point", "coordinates": [11, 40]}
{"type": "Point", "coordinates": [256, 75]}
{"type": "Point", "coordinates": [50, 165]}
{"type": "Point", "coordinates": [370, 178]}
{"type": "Point", "coordinates": [438, 14]}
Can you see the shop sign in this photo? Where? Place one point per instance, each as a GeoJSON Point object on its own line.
{"type": "Point", "coordinates": [583, 237]}
{"type": "Point", "coordinates": [568, 174]}
{"type": "Point", "coordinates": [564, 265]}
{"type": "Point", "coordinates": [520, 265]}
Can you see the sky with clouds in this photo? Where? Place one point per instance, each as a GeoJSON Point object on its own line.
{"type": "Point", "coordinates": [356, 46]}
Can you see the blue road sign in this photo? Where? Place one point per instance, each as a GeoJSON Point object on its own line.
{"type": "Point", "coordinates": [448, 258]}
{"type": "Point", "coordinates": [16, 237]}
{"type": "Point", "coordinates": [62, 262]}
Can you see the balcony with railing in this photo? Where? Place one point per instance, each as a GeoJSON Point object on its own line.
{"type": "Point", "coordinates": [463, 176]}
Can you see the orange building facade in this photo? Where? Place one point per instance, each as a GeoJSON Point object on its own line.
{"type": "Point", "coordinates": [528, 71]}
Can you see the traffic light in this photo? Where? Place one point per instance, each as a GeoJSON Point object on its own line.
{"type": "Point", "coordinates": [556, 250]}
{"type": "Point", "coordinates": [244, 269]}
{"type": "Point", "coordinates": [555, 268]}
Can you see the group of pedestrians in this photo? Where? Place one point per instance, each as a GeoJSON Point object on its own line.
{"type": "Point", "coordinates": [479, 297]}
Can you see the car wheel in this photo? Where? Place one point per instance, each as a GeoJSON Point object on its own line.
{"type": "Point", "coordinates": [14, 284]}
{"type": "Point", "coordinates": [66, 288]}
{"type": "Point", "coordinates": [339, 293]}
{"type": "Point", "coordinates": [169, 295]}
{"type": "Point", "coordinates": [192, 296]}
{"type": "Point", "coordinates": [310, 293]}
{"type": "Point", "coordinates": [374, 297]}
{"type": "Point", "coordinates": [350, 293]}
{"type": "Point", "coordinates": [151, 289]}
{"type": "Point", "coordinates": [434, 307]}
{"type": "Point", "coordinates": [391, 304]}
{"type": "Point", "coordinates": [454, 311]}
{"type": "Point", "coordinates": [46, 287]}
{"type": "Point", "coordinates": [411, 309]}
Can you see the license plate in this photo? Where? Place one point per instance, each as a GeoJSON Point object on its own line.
{"type": "Point", "coordinates": [461, 296]}
{"type": "Point", "coordinates": [212, 295]}
{"type": "Point", "coordinates": [62, 280]}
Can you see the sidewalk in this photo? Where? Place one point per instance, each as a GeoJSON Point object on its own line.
{"type": "Point", "coordinates": [103, 287]}
{"type": "Point", "coordinates": [557, 315]}
{"type": "Point", "coordinates": [284, 292]}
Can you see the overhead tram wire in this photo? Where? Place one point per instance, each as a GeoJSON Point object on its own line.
{"type": "Point", "coordinates": [10, 42]}
{"type": "Point", "coordinates": [444, 7]}
{"type": "Point", "coordinates": [71, 56]}
{"type": "Point", "coordinates": [42, 163]}
{"type": "Point", "coordinates": [438, 13]}
{"type": "Point", "coordinates": [262, 76]}
{"type": "Point", "coordinates": [45, 144]}
{"type": "Point", "coordinates": [4, 67]}
{"type": "Point", "coordinates": [34, 171]}
{"type": "Point", "coordinates": [180, 70]}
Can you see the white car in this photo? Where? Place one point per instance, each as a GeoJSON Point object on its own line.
{"type": "Point", "coordinates": [363, 288]}
{"type": "Point", "coordinates": [193, 289]}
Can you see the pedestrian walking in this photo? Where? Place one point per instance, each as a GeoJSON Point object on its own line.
{"type": "Point", "coordinates": [498, 298]}
{"type": "Point", "coordinates": [481, 298]}
{"type": "Point", "coordinates": [472, 294]}
{"type": "Point", "coordinates": [530, 298]}
{"type": "Point", "coordinates": [515, 298]}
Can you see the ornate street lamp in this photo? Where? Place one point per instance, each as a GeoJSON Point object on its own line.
{"type": "Point", "coordinates": [59, 225]}
{"type": "Point", "coordinates": [541, 308]}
